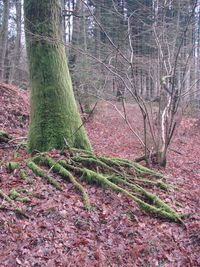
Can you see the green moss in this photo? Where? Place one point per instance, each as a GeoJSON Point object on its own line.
{"type": "Point", "coordinates": [23, 199]}
{"type": "Point", "coordinates": [117, 178]}
{"type": "Point", "coordinates": [79, 151]}
{"type": "Point", "coordinates": [38, 171]}
{"type": "Point", "coordinates": [148, 182]}
{"type": "Point", "coordinates": [4, 196]}
{"type": "Point", "coordinates": [161, 211]}
{"type": "Point", "coordinates": [66, 174]}
{"type": "Point", "coordinates": [24, 176]}
{"type": "Point", "coordinates": [154, 206]}
{"type": "Point", "coordinates": [137, 167]}
{"type": "Point", "coordinates": [54, 119]}
{"type": "Point", "coordinates": [93, 161]}
{"type": "Point", "coordinates": [121, 180]}
{"type": "Point", "coordinates": [15, 195]}
{"type": "Point", "coordinates": [11, 166]}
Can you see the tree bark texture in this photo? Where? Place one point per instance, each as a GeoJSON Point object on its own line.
{"type": "Point", "coordinates": [55, 119]}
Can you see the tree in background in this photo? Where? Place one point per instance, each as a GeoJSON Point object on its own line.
{"type": "Point", "coordinates": [4, 38]}
{"type": "Point", "coordinates": [12, 52]}
{"type": "Point", "coordinates": [148, 48]}
{"type": "Point", "coordinates": [55, 120]}
{"type": "Point", "coordinates": [145, 51]}
{"type": "Point", "coordinates": [15, 56]}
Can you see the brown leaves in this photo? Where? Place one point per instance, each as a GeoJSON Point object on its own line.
{"type": "Point", "coordinates": [60, 232]}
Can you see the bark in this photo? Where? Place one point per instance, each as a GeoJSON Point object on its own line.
{"type": "Point", "coordinates": [97, 30]}
{"type": "Point", "coordinates": [4, 37]}
{"type": "Point", "coordinates": [63, 21]}
{"type": "Point", "coordinates": [17, 49]}
{"type": "Point", "coordinates": [75, 41]}
{"type": "Point", "coordinates": [55, 120]}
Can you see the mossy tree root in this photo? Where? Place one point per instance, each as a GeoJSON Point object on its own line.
{"type": "Point", "coordinates": [100, 170]}
{"type": "Point", "coordinates": [38, 171]}
{"type": "Point", "coordinates": [12, 166]}
{"type": "Point", "coordinates": [157, 206]}
{"type": "Point", "coordinates": [148, 182]}
{"type": "Point", "coordinates": [162, 210]}
{"type": "Point", "coordinates": [16, 210]}
{"type": "Point", "coordinates": [136, 166]}
{"type": "Point", "coordinates": [107, 165]}
{"type": "Point", "coordinates": [95, 161]}
{"type": "Point", "coordinates": [15, 196]}
{"type": "Point", "coordinates": [65, 174]}
{"type": "Point", "coordinates": [24, 176]}
{"type": "Point", "coordinates": [4, 196]}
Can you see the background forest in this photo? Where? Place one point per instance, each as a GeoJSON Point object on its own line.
{"type": "Point", "coordinates": [138, 41]}
{"type": "Point", "coordinates": [143, 52]}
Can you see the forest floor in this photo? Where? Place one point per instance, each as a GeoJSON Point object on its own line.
{"type": "Point", "coordinates": [60, 232]}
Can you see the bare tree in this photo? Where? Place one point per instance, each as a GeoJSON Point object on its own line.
{"type": "Point", "coordinates": [17, 47]}
{"type": "Point", "coordinates": [154, 78]}
{"type": "Point", "coordinates": [4, 37]}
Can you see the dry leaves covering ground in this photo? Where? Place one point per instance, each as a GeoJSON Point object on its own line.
{"type": "Point", "coordinates": [59, 232]}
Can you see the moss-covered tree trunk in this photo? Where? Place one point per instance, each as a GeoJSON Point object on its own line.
{"type": "Point", "coordinates": [55, 119]}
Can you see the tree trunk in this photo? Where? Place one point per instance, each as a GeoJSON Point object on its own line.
{"type": "Point", "coordinates": [55, 120]}
{"type": "Point", "coordinates": [63, 21]}
{"type": "Point", "coordinates": [97, 30]}
{"type": "Point", "coordinates": [75, 40]}
{"type": "Point", "coordinates": [17, 52]}
{"type": "Point", "coordinates": [4, 38]}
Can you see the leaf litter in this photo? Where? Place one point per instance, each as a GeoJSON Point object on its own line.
{"type": "Point", "coordinates": [60, 232]}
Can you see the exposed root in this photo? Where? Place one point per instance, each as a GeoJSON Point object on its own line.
{"type": "Point", "coordinates": [92, 161]}
{"type": "Point", "coordinates": [161, 210]}
{"type": "Point", "coordinates": [4, 137]}
{"type": "Point", "coordinates": [148, 182]}
{"type": "Point", "coordinates": [11, 166]}
{"type": "Point", "coordinates": [14, 195]}
{"type": "Point", "coordinates": [157, 206]}
{"type": "Point", "coordinates": [4, 196]}
{"type": "Point", "coordinates": [66, 174]}
{"type": "Point", "coordinates": [76, 151]}
{"type": "Point", "coordinates": [139, 168]}
{"type": "Point", "coordinates": [107, 165]}
{"type": "Point", "coordinates": [38, 171]}
{"type": "Point", "coordinates": [118, 174]}
{"type": "Point", "coordinates": [24, 176]}
{"type": "Point", "coordinates": [15, 209]}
